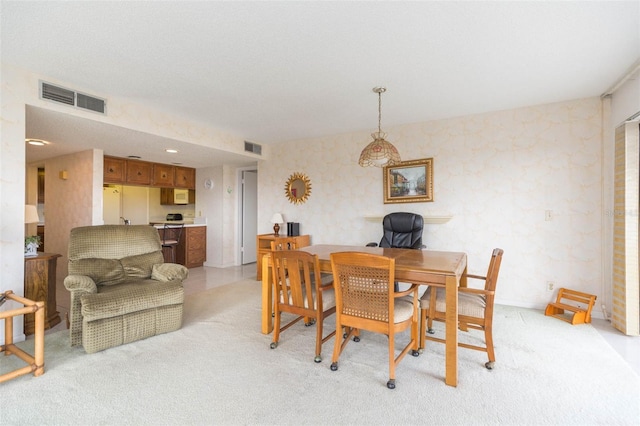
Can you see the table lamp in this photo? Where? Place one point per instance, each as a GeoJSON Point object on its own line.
{"type": "Point", "coordinates": [276, 220]}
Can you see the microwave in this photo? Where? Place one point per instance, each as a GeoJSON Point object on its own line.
{"type": "Point", "coordinates": [180, 196]}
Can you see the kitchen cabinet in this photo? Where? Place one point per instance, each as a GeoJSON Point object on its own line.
{"type": "Point", "coordinates": [139, 172]}
{"type": "Point", "coordinates": [114, 170]}
{"type": "Point", "coordinates": [166, 196]}
{"type": "Point", "coordinates": [263, 246]}
{"type": "Point", "coordinates": [163, 175]}
{"type": "Point", "coordinates": [185, 177]}
{"type": "Point", "coordinates": [144, 173]}
{"type": "Point", "coordinates": [192, 247]}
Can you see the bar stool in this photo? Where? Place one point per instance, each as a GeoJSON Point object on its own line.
{"type": "Point", "coordinates": [170, 237]}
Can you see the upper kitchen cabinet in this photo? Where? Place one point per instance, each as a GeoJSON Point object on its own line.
{"type": "Point", "coordinates": [185, 177]}
{"type": "Point", "coordinates": [139, 172]}
{"type": "Point", "coordinates": [145, 173]}
{"type": "Point", "coordinates": [114, 170]}
{"type": "Point", "coordinates": [163, 175]}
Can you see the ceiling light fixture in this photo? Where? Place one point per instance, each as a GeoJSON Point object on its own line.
{"type": "Point", "coordinates": [172, 151]}
{"type": "Point", "coordinates": [379, 153]}
{"type": "Point", "coordinates": [37, 142]}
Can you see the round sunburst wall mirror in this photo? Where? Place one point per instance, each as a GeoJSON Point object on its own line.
{"type": "Point", "coordinates": [298, 188]}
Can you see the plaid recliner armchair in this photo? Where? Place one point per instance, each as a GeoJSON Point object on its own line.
{"type": "Point", "coordinates": [121, 289]}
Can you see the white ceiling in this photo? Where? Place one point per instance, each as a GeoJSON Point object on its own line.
{"type": "Point", "coordinates": [276, 71]}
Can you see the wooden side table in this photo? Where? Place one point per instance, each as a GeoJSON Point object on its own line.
{"type": "Point", "coordinates": [35, 363]}
{"type": "Point", "coordinates": [263, 246]}
{"type": "Point", "coordinates": [40, 285]}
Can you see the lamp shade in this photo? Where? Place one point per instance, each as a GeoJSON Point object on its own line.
{"type": "Point", "coordinates": [277, 218]}
{"type": "Point", "coordinates": [379, 153]}
{"type": "Point", "coordinates": [31, 214]}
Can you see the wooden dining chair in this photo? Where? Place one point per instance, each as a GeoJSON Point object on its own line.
{"type": "Point", "coordinates": [366, 300]}
{"type": "Point", "coordinates": [285, 243]}
{"type": "Point", "coordinates": [475, 309]}
{"type": "Point", "coordinates": [295, 274]}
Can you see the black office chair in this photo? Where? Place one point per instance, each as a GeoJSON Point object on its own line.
{"type": "Point", "coordinates": [401, 230]}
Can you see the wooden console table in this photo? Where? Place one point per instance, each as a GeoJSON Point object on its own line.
{"type": "Point", "coordinates": [40, 285]}
{"type": "Point", "coordinates": [263, 246]}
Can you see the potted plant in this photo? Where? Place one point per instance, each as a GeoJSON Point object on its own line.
{"type": "Point", "coordinates": [31, 245]}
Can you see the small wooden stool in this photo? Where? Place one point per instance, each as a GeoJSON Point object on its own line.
{"type": "Point", "coordinates": [580, 315]}
{"type": "Point", "coordinates": [35, 363]}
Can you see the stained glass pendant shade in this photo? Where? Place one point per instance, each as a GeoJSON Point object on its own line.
{"type": "Point", "coordinates": [379, 153]}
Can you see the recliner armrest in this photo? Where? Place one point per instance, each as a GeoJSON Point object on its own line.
{"type": "Point", "coordinates": [83, 283]}
{"type": "Point", "coordinates": [169, 272]}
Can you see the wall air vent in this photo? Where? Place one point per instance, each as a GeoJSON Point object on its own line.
{"type": "Point", "coordinates": [252, 147]}
{"type": "Point", "coordinates": [69, 97]}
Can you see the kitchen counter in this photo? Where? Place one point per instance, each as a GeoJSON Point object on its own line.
{"type": "Point", "coordinates": [187, 223]}
{"type": "Point", "coordinates": [191, 250]}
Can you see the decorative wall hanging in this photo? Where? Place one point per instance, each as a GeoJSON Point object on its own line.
{"type": "Point", "coordinates": [298, 188]}
{"type": "Point", "coordinates": [409, 182]}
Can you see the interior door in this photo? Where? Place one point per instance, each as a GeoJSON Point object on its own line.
{"type": "Point", "coordinates": [249, 215]}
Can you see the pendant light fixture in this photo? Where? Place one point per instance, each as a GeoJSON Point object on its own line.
{"type": "Point", "coordinates": [379, 153]}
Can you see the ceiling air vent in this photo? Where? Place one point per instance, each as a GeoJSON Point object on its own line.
{"type": "Point", "coordinates": [69, 97]}
{"type": "Point", "coordinates": [252, 147]}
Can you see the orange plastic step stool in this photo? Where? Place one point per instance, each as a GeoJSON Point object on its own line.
{"type": "Point", "coordinates": [580, 315]}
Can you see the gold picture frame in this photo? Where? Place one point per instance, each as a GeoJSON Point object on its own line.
{"type": "Point", "coordinates": [409, 182]}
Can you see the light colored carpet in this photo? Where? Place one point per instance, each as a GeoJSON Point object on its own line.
{"type": "Point", "coordinates": [218, 369]}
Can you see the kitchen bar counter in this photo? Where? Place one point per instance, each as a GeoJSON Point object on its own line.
{"type": "Point", "coordinates": [192, 247]}
{"type": "Point", "coordinates": [187, 223]}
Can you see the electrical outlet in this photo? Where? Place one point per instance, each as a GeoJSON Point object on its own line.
{"type": "Point", "coordinates": [550, 285]}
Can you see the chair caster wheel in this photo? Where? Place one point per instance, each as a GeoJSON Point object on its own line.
{"type": "Point", "coordinates": [489, 365]}
{"type": "Point", "coordinates": [273, 345]}
{"type": "Point", "coordinates": [334, 366]}
{"type": "Point", "coordinates": [431, 331]}
{"type": "Point", "coordinates": [318, 359]}
{"type": "Point", "coordinates": [415, 353]}
{"type": "Point", "coordinates": [310, 323]}
{"type": "Point", "coordinates": [391, 384]}
{"type": "Point", "coordinates": [356, 339]}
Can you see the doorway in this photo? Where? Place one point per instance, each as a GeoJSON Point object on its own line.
{"type": "Point", "coordinates": [248, 216]}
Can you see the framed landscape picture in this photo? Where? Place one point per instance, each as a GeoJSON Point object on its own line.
{"type": "Point", "coordinates": [409, 182]}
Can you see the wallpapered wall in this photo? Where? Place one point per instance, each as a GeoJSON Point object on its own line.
{"type": "Point", "coordinates": [496, 174]}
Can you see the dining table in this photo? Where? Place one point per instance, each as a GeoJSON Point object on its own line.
{"type": "Point", "coordinates": [424, 267]}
